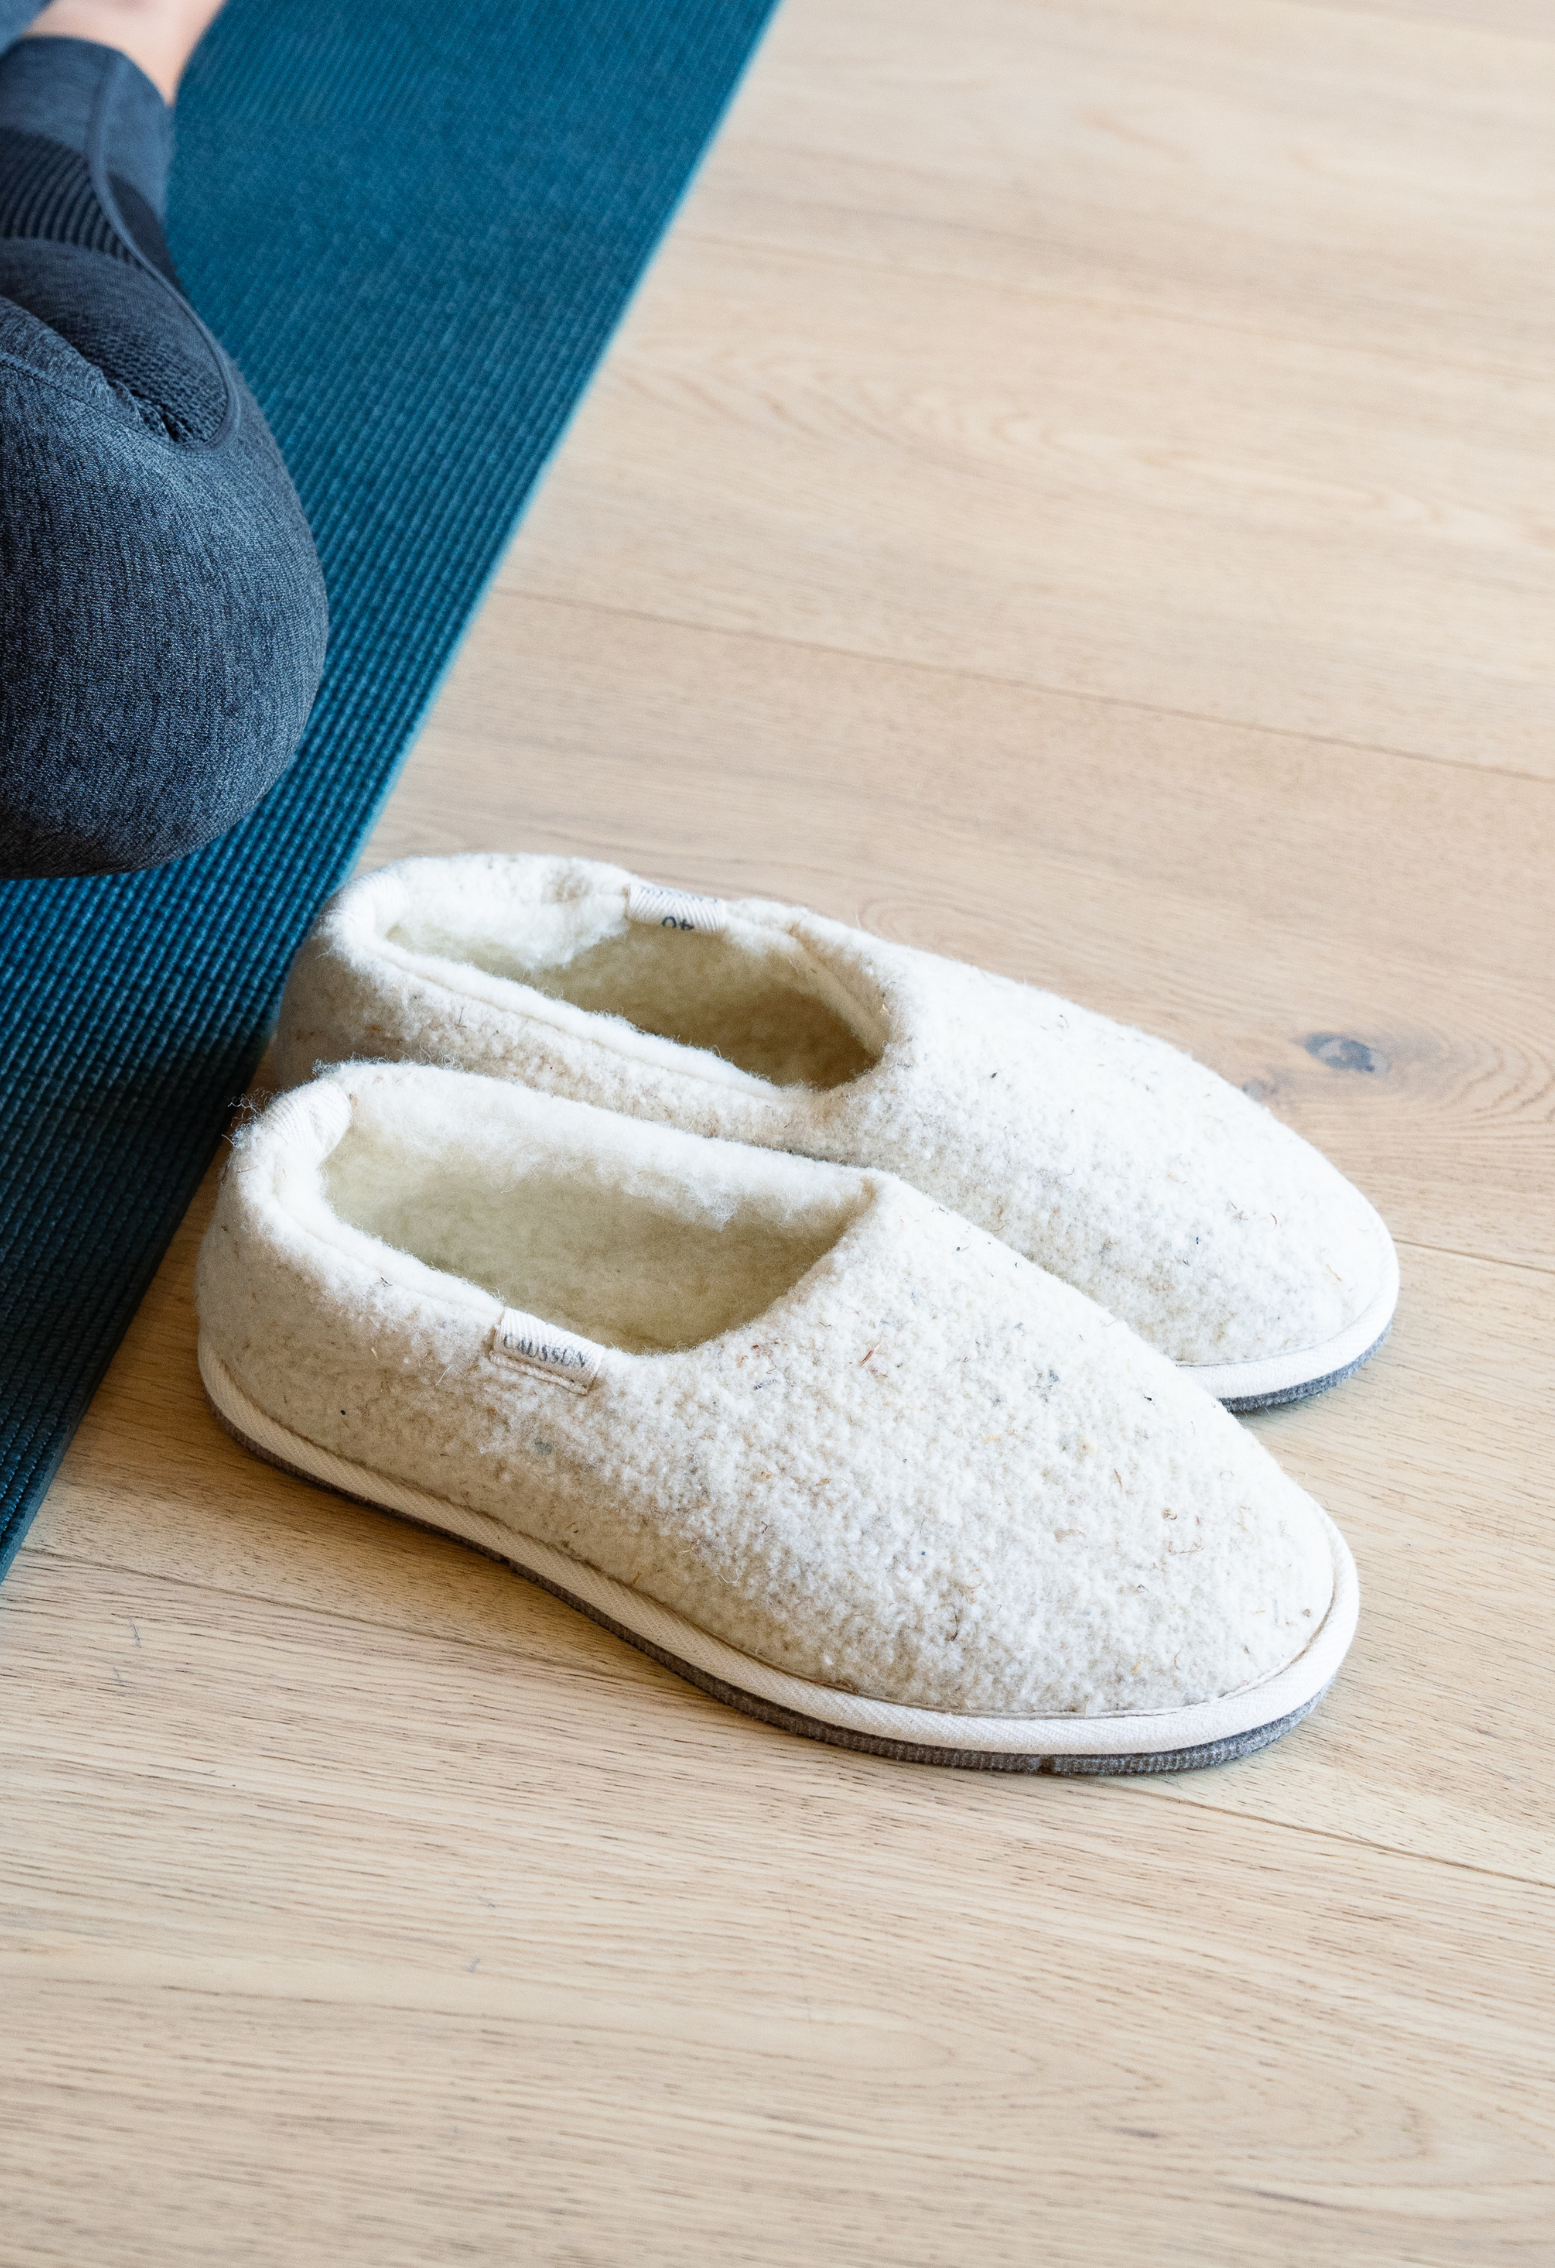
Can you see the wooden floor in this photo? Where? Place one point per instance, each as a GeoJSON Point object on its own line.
{"type": "Point", "coordinates": [1075, 491]}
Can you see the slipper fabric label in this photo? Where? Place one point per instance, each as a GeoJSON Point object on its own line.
{"type": "Point", "coordinates": [544, 1351]}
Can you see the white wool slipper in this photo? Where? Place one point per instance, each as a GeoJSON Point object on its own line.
{"type": "Point", "coordinates": [1112, 1159]}
{"type": "Point", "coordinates": [834, 1454]}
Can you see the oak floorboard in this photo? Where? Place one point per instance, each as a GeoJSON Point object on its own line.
{"type": "Point", "coordinates": [1236, 396]}
{"type": "Point", "coordinates": [1074, 491]}
{"type": "Point", "coordinates": [591, 1950]}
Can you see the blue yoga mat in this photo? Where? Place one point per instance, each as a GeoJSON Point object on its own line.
{"type": "Point", "coordinates": [414, 226]}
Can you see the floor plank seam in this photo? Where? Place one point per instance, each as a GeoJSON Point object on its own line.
{"type": "Point", "coordinates": [1186, 1795]}
{"type": "Point", "coordinates": [33, 1549]}
{"type": "Point", "coordinates": [619, 1674]}
{"type": "Point", "coordinates": [1123, 304]}
{"type": "Point", "coordinates": [1481, 1259]}
{"type": "Point", "coordinates": [956, 671]}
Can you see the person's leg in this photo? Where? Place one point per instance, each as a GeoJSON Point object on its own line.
{"type": "Point", "coordinates": [159, 36]}
{"type": "Point", "coordinates": [15, 16]}
{"type": "Point", "coordinates": [162, 616]}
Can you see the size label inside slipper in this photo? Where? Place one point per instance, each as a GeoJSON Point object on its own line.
{"type": "Point", "coordinates": [676, 909]}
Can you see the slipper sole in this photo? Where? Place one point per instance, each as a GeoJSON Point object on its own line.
{"type": "Point", "coordinates": [1176, 1740]}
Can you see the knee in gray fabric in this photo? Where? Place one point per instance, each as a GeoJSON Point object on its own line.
{"type": "Point", "coordinates": [162, 614]}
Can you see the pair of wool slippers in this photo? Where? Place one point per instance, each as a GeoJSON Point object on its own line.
{"type": "Point", "coordinates": [850, 1329]}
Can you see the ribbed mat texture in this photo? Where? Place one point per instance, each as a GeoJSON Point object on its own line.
{"type": "Point", "coordinates": [414, 227]}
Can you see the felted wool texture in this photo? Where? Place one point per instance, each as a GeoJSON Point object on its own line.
{"type": "Point", "coordinates": [1108, 1156]}
{"type": "Point", "coordinates": [906, 1463]}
